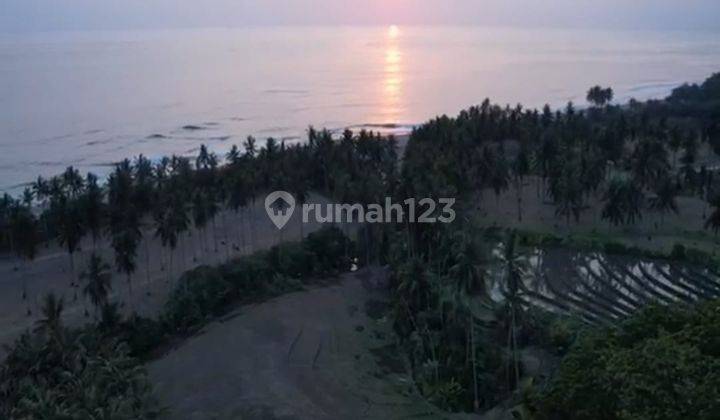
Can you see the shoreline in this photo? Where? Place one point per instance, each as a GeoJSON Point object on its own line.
{"type": "Point", "coordinates": [399, 130]}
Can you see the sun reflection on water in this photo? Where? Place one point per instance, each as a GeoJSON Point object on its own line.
{"type": "Point", "coordinates": [393, 78]}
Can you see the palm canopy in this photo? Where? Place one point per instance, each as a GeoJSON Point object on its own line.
{"type": "Point", "coordinates": [98, 280]}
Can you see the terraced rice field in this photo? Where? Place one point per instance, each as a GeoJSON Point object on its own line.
{"type": "Point", "coordinates": [603, 289]}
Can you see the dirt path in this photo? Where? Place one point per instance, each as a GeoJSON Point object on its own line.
{"type": "Point", "coordinates": [325, 353]}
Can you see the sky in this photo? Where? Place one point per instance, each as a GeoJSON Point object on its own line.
{"type": "Point", "coordinates": [52, 15]}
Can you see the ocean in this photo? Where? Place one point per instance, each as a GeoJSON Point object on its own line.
{"type": "Point", "coordinates": [90, 99]}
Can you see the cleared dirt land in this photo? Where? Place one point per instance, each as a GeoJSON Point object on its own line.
{"type": "Point", "coordinates": [236, 234]}
{"type": "Point", "coordinates": [325, 353]}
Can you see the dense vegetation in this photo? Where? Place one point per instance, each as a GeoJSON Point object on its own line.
{"type": "Point", "coordinates": [164, 199]}
{"type": "Point", "coordinates": [142, 199]}
{"type": "Point", "coordinates": [664, 363]}
{"type": "Point", "coordinates": [208, 292]}
{"type": "Point", "coordinates": [465, 344]}
{"type": "Point", "coordinates": [636, 158]}
{"type": "Point", "coordinates": [57, 372]}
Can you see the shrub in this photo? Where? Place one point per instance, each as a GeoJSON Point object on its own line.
{"type": "Point", "coordinates": [660, 364]}
{"type": "Point", "coordinates": [199, 294]}
{"type": "Point", "coordinates": [73, 374]}
{"type": "Point", "coordinates": [561, 333]}
{"type": "Point", "coordinates": [207, 292]}
{"type": "Point", "coordinates": [332, 250]}
{"type": "Point", "coordinates": [249, 275]}
{"type": "Point", "coordinates": [142, 335]}
{"type": "Point", "coordinates": [678, 252]}
{"type": "Point", "coordinates": [293, 260]}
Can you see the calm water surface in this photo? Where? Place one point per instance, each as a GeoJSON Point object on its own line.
{"type": "Point", "coordinates": [90, 99]}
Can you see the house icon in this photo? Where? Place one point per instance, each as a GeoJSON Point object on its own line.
{"type": "Point", "coordinates": [280, 206]}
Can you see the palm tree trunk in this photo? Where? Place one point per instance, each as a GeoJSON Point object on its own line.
{"type": "Point", "coordinates": [214, 234]}
{"type": "Point", "coordinates": [130, 290]}
{"type": "Point", "coordinates": [12, 247]}
{"type": "Point", "coordinates": [147, 261]}
{"type": "Point", "coordinates": [253, 234]}
{"type": "Point", "coordinates": [241, 231]}
{"type": "Point", "coordinates": [129, 282]}
{"type": "Point", "coordinates": [72, 268]}
{"type": "Point", "coordinates": [476, 403]}
{"type": "Point", "coordinates": [24, 286]}
{"type": "Point", "coordinates": [225, 235]}
{"type": "Point", "coordinates": [518, 187]}
{"type": "Point", "coordinates": [223, 222]}
{"type": "Point", "coordinates": [183, 243]}
{"type": "Point", "coordinates": [515, 348]}
{"type": "Point", "coordinates": [170, 268]}
{"type": "Point", "coordinates": [203, 235]}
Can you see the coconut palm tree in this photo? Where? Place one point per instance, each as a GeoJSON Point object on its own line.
{"type": "Point", "coordinates": [237, 191]}
{"type": "Point", "coordinates": [499, 172]}
{"type": "Point", "coordinates": [250, 147]}
{"type": "Point", "coordinates": [566, 188]}
{"type": "Point", "coordinates": [232, 157]}
{"type": "Point", "coordinates": [72, 182]}
{"type": "Point", "coordinates": [125, 243]}
{"type": "Point", "coordinates": [520, 169]}
{"type": "Point", "coordinates": [171, 220]}
{"type": "Point", "coordinates": [600, 97]}
{"type": "Point", "coordinates": [6, 235]}
{"type": "Point", "coordinates": [467, 291]}
{"type": "Point", "coordinates": [649, 162]}
{"type": "Point", "coordinates": [98, 282]}
{"type": "Point", "coordinates": [200, 216]}
{"type": "Point", "coordinates": [41, 188]}
{"type": "Point", "coordinates": [144, 194]}
{"type": "Point", "coordinates": [623, 202]}
{"type": "Point", "coordinates": [713, 221]}
{"type": "Point", "coordinates": [124, 223]}
{"type": "Point", "coordinates": [299, 189]}
{"type": "Point", "coordinates": [24, 227]}
{"type": "Point", "coordinates": [68, 224]}
{"type": "Point", "coordinates": [93, 208]}
{"type": "Point", "coordinates": [664, 200]}
{"type": "Point", "coordinates": [547, 155]}
{"type": "Point", "coordinates": [51, 322]}
{"type": "Point", "coordinates": [206, 167]}
{"type": "Point", "coordinates": [514, 271]}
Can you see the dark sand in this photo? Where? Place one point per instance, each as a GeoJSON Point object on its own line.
{"type": "Point", "coordinates": [325, 353]}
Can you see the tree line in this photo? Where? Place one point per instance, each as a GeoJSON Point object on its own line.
{"type": "Point", "coordinates": [460, 306]}
{"type": "Point", "coordinates": [164, 199]}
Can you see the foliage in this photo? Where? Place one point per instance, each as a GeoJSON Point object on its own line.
{"type": "Point", "coordinates": [663, 363]}
{"type": "Point", "coordinates": [60, 373]}
{"type": "Point", "coordinates": [599, 96]}
{"type": "Point", "coordinates": [208, 292]}
{"type": "Point", "coordinates": [452, 331]}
